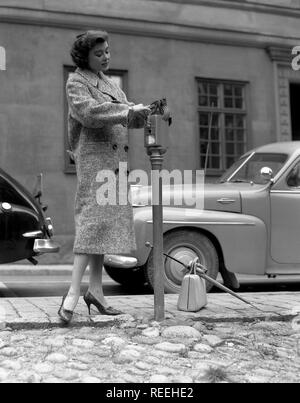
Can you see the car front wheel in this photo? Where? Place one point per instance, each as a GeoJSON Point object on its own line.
{"type": "Point", "coordinates": [184, 245]}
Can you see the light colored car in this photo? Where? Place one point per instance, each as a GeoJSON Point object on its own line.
{"type": "Point", "coordinates": [250, 224]}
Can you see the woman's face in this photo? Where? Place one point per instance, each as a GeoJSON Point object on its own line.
{"type": "Point", "coordinates": [99, 57]}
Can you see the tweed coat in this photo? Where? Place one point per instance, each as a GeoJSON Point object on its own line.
{"type": "Point", "coordinates": [98, 137]}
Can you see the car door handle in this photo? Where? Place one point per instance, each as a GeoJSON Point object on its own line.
{"type": "Point", "coordinates": [225, 200]}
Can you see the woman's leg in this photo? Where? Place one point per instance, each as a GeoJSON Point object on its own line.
{"type": "Point", "coordinates": [80, 264]}
{"type": "Point", "coordinates": [96, 270]}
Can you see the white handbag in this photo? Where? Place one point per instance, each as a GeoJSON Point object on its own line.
{"type": "Point", "coordinates": [192, 295]}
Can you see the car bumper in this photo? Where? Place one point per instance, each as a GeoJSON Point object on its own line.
{"type": "Point", "coordinates": [45, 246]}
{"type": "Point", "coordinates": [121, 262]}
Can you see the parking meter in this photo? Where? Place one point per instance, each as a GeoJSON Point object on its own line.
{"type": "Point", "coordinates": [156, 133]}
{"type": "Point", "coordinates": [156, 143]}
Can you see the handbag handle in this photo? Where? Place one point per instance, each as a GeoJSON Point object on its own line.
{"type": "Point", "coordinates": [194, 266]}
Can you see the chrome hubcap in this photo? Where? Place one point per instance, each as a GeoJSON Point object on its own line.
{"type": "Point", "coordinates": [175, 271]}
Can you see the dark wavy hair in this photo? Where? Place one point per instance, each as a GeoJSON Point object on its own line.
{"type": "Point", "coordinates": [83, 44]}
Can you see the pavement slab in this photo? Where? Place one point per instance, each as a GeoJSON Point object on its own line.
{"type": "Point", "coordinates": [41, 312]}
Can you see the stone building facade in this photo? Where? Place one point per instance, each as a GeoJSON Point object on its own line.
{"type": "Point", "coordinates": [224, 60]}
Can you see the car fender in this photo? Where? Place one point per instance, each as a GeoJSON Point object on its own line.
{"type": "Point", "coordinates": [14, 223]}
{"type": "Point", "coordinates": [234, 232]}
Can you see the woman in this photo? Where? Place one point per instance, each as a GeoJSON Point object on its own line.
{"type": "Point", "coordinates": [99, 115]}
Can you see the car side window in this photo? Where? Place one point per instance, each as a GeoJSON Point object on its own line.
{"type": "Point", "coordinates": [293, 179]}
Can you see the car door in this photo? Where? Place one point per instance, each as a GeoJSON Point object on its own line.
{"type": "Point", "coordinates": [285, 217]}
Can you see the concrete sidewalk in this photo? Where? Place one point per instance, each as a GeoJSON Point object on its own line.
{"type": "Point", "coordinates": [42, 312]}
{"type": "Point", "coordinates": [28, 313]}
{"type": "Point", "coordinates": [38, 270]}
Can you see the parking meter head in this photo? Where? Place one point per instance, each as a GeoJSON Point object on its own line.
{"type": "Point", "coordinates": [156, 132]}
{"type": "Point", "coordinates": [160, 107]}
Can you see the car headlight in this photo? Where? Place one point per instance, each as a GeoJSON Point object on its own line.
{"type": "Point", "coordinates": [49, 226]}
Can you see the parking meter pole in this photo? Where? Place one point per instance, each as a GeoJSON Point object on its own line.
{"type": "Point", "coordinates": [156, 159]}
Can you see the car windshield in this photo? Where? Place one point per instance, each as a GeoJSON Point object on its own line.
{"type": "Point", "coordinates": [247, 168]}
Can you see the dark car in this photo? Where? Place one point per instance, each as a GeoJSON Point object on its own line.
{"type": "Point", "coordinates": [25, 231]}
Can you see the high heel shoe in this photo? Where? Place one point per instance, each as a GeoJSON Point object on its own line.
{"type": "Point", "coordinates": [89, 299]}
{"type": "Point", "coordinates": [65, 315]}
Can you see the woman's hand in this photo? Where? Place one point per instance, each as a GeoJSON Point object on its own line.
{"type": "Point", "coordinates": [141, 110]}
{"type": "Point", "coordinates": [138, 115]}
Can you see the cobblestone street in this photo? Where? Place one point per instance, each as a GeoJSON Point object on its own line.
{"type": "Point", "coordinates": [139, 352]}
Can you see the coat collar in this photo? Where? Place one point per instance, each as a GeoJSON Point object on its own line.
{"type": "Point", "coordinates": [90, 76]}
{"type": "Point", "coordinates": [101, 83]}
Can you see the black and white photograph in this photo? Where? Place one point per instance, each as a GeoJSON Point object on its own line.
{"type": "Point", "coordinates": [149, 184]}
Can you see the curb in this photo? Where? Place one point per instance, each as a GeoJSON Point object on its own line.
{"type": "Point", "coordinates": [30, 270]}
{"type": "Point", "coordinates": [55, 322]}
{"type": "Point", "coordinates": [102, 322]}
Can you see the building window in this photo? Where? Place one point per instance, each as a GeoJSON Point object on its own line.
{"type": "Point", "coordinates": [222, 123]}
{"type": "Point", "coordinates": [119, 76]}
